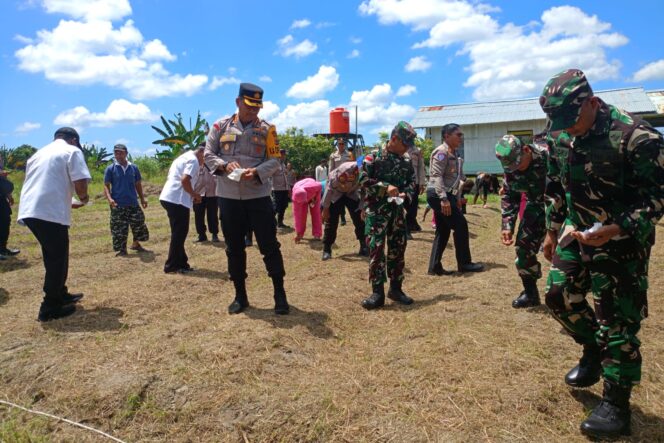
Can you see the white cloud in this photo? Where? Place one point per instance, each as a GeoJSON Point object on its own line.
{"type": "Point", "coordinates": [118, 112]}
{"type": "Point", "coordinates": [289, 47]}
{"type": "Point", "coordinates": [218, 82]}
{"type": "Point", "coordinates": [326, 79]}
{"type": "Point", "coordinates": [406, 90]}
{"type": "Point", "coordinates": [26, 127]}
{"type": "Point", "coordinates": [376, 107]}
{"type": "Point", "coordinates": [269, 111]}
{"type": "Point", "coordinates": [378, 95]}
{"type": "Point", "coordinates": [156, 50]}
{"type": "Point", "coordinates": [232, 70]}
{"type": "Point", "coordinates": [419, 63]}
{"type": "Point", "coordinates": [354, 54]}
{"type": "Point", "coordinates": [309, 116]}
{"type": "Point", "coordinates": [507, 60]}
{"type": "Point", "coordinates": [300, 24]}
{"type": "Point", "coordinates": [91, 50]}
{"type": "Point", "coordinates": [651, 71]}
{"type": "Point", "coordinates": [265, 79]}
{"type": "Point", "coordinates": [355, 40]}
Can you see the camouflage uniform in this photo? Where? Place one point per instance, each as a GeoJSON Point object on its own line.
{"type": "Point", "coordinates": [613, 174]}
{"type": "Point", "coordinates": [383, 218]}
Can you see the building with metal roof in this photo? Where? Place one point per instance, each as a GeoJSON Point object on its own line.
{"type": "Point", "coordinates": [484, 123]}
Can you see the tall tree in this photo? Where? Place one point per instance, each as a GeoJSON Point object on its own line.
{"type": "Point", "coordinates": [178, 138]}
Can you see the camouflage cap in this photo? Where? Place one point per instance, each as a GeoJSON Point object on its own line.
{"type": "Point", "coordinates": [563, 96]}
{"type": "Point", "coordinates": [405, 132]}
{"type": "Point", "coordinates": [509, 150]}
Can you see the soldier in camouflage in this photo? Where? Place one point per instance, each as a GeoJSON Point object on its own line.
{"type": "Point", "coordinates": [388, 181]}
{"type": "Point", "coordinates": [601, 230]}
{"type": "Point", "coordinates": [525, 169]}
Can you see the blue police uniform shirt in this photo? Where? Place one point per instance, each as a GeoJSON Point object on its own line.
{"type": "Point", "coordinates": [123, 183]}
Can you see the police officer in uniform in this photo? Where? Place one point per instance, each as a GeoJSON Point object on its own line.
{"type": "Point", "coordinates": [445, 181]}
{"type": "Point", "coordinates": [417, 161]}
{"type": "Point", "coordinates": [601, 232]}
{"type": "Point", "coordinates": [245, 142]}
{"type": "Point", "coordinates": [281, 189]}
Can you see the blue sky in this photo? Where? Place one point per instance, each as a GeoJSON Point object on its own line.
{"type": "Point", "coordinates": [110, 67]}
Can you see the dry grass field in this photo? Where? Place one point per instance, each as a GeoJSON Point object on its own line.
{"type": "Point", "coordinates": [150, 357]}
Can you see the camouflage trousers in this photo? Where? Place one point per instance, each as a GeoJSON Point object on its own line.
{"type": "Point", "coordinates": [529, 238]}
{"type": "Point", "coordinates": [121, 220]}
{"type": "Point", "coordinates": [386, 224]}
{"type": "Point", "coordinates": [619, 284]}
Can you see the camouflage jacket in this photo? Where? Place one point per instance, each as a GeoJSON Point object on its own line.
{"type": "Point", "coordinates": [613, 174]}
{"type": "Point", "coordinates": [533, 181]}
{"type": "Point", "coordinates": [380, 169]}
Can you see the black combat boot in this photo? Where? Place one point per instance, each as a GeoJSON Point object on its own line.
{"type": "Point", "coordinates": [589, 369]}
{"type": "Point", "coordinates": [48, 311]}
{"type": "Point", "coordinates": [364, 251]}
{"type": "Point", "coordinates": [280, 303]}
{"type": "Point", "coordinates": [376, 299]}
{"type": "Point", "coordinates": [395, 293]}
{"type": "Point", "coordinates": [611, 418]}
{"type": "Point", "coordinates": [241, 302]}
{"type": "Point", "coordinates": [529, 296]}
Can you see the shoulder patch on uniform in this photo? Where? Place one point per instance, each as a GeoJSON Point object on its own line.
{"type": "Point", "coordinates": [440, 156]}
{"type": "Point", "coordinates": [216, 126]}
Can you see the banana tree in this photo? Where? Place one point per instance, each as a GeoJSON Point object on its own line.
{"type": "Point", "coordinates": [177, 138]}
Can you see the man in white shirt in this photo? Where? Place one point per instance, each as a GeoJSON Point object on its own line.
{"type": "Point", "coordinates": [178, 195]}
{"type": "Point", "coordinates": [321, 171]}
{"type": "Point", "coordinates": [51, 175]}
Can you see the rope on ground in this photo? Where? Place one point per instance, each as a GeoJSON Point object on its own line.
{"type": "Point", "coordinates": [80, 425]}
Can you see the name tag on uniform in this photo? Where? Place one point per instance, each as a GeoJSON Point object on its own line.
{"type": "Point", "coordinates": [228, 138]}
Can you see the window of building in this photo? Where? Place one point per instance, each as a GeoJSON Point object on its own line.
{"type": "Point", "coordinates": [525, 135]}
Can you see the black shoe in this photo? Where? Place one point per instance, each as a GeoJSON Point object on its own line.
{"type": "Point", "coordinates": [416, 228]}
{"type": "Point", "coordinates": [52, 313]}
{"type": "Point", "coordinates": [9, 252]}
{"type": "Point", "coordinates": [238, 305]}
{"type": "Point", "coordinates": [121, 253]}
{"type": "Point", "coordinates": [186, 270]}
{"type": "Point", "coordinates": [376, 299]}
{"type": "Point", "coordinates": [529, 297]}
{"type": "Point", "coordinates": [248, 242]}
{"type": "Point", "coordinates": [471, 267]}
{"type": "Point", "coordinates": [396, 294]}
{"type": "Point", "coordinates": [438, 270]}
{"type": "Point", "coordinates": [215, 238]}
{"type": "Point", "coordinates": [71, 298]}
{"type": "Point", "coordinates": [281, 304]}
{"type": "Point", "coordinates": [409, 236]}
{"type": "Point", "coordinates": [364, 251]}
{"type": "Point", "coordinates": [326, 256]}
{"type": "Point", "coordinates": [611, 418]}
{"type": "Point", "coordinates": [283, 226]}
{"type": "Point", "coordinates": [201, 239]}
{"type": "Point", "coordinates": [343, 222]}
{"type": "Point", "coordinates": [588, 371]}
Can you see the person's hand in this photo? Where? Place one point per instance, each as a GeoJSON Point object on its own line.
{"type": "Point", "coordinates": [113, 203]}
{"type": "Point", "coordinates": [325, 216]}
{"type": "Point", "coordinates": [550, 243]}
{"type": "Point", "coordinates": [231, 166]}
{"type": "Point", "coordinates": [502, 191]}
{"type": "Point", "coordinates": [599, 237]}
{"type": "Point", "coordinates": [197, 198]}
{"type": "Point", "coordinates": [421, 190]}
{"type": "Point", "coordinates": [144, 203]}
{"type": "Point", "coordinates": [10, 199]}
{"type": "Point", "coordinates": [402, 195]}
{"type": "Point", "coordinates": [363, 215]}
{"type": "Point", "coordinates": [461, 202]}
{"type": "Point", "coordinates": [297, 239]}
{"type": "Point", "coordinates": [446, 208]}
{"type": "Point", "coordinates": [249, 173]}
{"type": "Point", "coordinates": [76, 205]}
{"type": "Point", "coordinates": [506, 237]}
{"type": "Point", "coordinates": [392, 191]}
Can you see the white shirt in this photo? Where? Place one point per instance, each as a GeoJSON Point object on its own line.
{"type": "Point", "coordinates": [321, 173]}
{"type": "Point", "coordinates": [49, 183]}
{"type": "Point", "coordinates": [173, 192]}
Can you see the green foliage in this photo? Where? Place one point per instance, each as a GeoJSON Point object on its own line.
{"type": "Point", "coordinates": [304, 152]}
{"type": "Point", "coordinates": [17, 158]}
{"type": "Point", "coordinates": [96, 157]}
{"type": "Point", "coordinates": [383, 137]}
{"type": "Point", "coordinates": [178, 138]}
{"type": "Point", "coordinates": [4, 155]}
{"type": "Point", "coordinates": [150, 167]}
{"type": "Point", "coordinates": [426, 146]}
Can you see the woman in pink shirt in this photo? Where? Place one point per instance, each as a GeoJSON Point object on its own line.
{"type": "Point", "coordinates": [306, 195]}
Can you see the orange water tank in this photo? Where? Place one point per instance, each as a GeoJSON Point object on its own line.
{"type": "Point", "coordinates": [339, 121]}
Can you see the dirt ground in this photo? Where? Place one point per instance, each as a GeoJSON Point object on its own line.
{"type": "Point", "coordinates": [150, 357]}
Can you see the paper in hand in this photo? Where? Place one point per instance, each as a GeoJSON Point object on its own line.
{"type": "Point", "coordinates": [236, 175]}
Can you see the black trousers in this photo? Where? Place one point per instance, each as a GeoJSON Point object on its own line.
{"type": "Point", "coordinates": [178, 218]}
{"type": "Point", "coordinates": [336, 209]}
{"type": "Point", "coordinates": [256, 215]}
{"type": "Point", "coordinates": [5, 221]}
{"type": "Point", "coordinates": [207, 207]}
{"type": "Point", "coordinates": [280, 204]}
{"type": "Point", "coordinates": [411, 211]}
{"type": "Point", "coordinates": [54, 241]}
{"type": "Point", "coordinates": [444, 225]}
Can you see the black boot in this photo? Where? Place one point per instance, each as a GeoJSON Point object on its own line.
{"type": "Point", "coordinates": [530, 295]}
{"type": "Point", "coordinates": [363, 251]}
{"type": "Point", "coordinates": [241, 302]}
{"type": "Point", "coordinates": [280, 303]}
{"type": "Point", "coordinates": [589, 369]}
{"type": "Point", "coordinates": [395, 293]}
{"type": "Point", "coordinates": [376, 299]}
{"type": "Point", "coordinates": [611, 418]}
{"type": "Point", "coordinates": [48, 312]}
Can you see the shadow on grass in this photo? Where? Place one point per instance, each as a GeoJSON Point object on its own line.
{"type": "Point", "coordinates": [314, 321]}
{"type": "Point", "coordinates": [420, 304]}
{"type": "Point", "coordinates": [209, 273]}
{"type": "Point", "coordinates": [4, 296]}
{"type": "Point", "coordinates": [146, 256]}
{"type": "Point", "coordinates": [13, 264]}
{"type": "Point", "coordinates": [98, 319]}
{"type": "Point", "coordinates": [645, 427]}
{"type": "Point", "coordinates": [352, 257]}
{"type": "Point", "coordinates": [316, 245]}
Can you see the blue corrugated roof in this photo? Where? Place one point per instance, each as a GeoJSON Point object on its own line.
{"type": "Point", "coordinates": [630, 99]}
